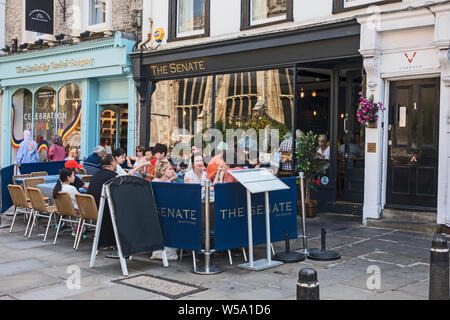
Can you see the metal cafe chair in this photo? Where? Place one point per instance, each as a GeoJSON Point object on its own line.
{"type": "Point", "coordinates": [66, 212]}
{"type": "Point", "coordinates": [20, 202]}
{"type": "Point", "coordinates": [19, 176]}
{"type": "Point", "coordinates": [33, 183]}
{"type": "Point", "coordinates": [40, 209]}
{"type": "Point", "coordinates": [39, 174]}
{"type": "Point", "coordinates": [88, 211]}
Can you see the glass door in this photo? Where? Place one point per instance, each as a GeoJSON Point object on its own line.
{"type": "Point", "coordinates": [113, 127]}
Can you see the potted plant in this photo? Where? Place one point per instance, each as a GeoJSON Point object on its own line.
{"type": "Point", "coordinates": [311, 166]}
{"type": "Point", "coordinates": [367, 111]}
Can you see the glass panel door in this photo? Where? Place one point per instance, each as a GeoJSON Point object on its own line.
{"type": "Point", "coordinates": [114, 127]}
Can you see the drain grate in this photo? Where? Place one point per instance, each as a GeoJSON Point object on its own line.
{"type": "Point", "coordinates": [172, 289]}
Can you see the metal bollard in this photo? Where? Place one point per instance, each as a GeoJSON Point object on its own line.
{"type": "Point", "coordinates": [439, 274]}
{"type": "Point", "coordinates": [307, 285]}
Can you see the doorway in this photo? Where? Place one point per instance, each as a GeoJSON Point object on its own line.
{"type": "Point", "coordinates": [113, 126]}
{"type": "Point", "coordinates": [413, 144]}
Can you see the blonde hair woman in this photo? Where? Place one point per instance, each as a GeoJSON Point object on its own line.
{"type": "Point", "coordinates": [163, 171]}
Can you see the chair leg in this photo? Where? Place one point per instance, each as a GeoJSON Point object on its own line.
{"type": "Point", "coordinates": [76, 233]}
{"type": "Point", "coordinates": [29, 220]}
{"type": "Point", "coordinates": [14, 219]}
{"type": "Point", "coordinates": [48, 225]}
{"type": "Point", "coordinates": [57, 230]}
{"type": "Point", "coordinates": [80, 234]}
{"type": "Point", "coordinates": [32, 224]}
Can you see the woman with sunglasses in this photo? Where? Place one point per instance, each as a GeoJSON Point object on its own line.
{"type": "Point", "coordinates": [138, 159]}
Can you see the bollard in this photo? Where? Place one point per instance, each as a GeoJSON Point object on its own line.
{"type": "Point", "coordinates": [439, 275]}
{"type": "Point", "coordinates": [307, 285]}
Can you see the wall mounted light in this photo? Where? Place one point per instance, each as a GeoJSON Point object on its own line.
{"type": "Point", "coordinates": [314, 113]}
{"type": "Point", "coordinates": [342, 116]}
{"type": "Point", "coordinates": [302, 93]}
{"type": "Point", "coordinates": [314, 94]}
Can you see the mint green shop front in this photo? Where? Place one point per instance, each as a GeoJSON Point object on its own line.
{"type": "Point", "coordinates": [70, 90]}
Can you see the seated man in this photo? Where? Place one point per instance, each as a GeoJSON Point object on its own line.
{"type": "Point", "coordinates": [92, 163]}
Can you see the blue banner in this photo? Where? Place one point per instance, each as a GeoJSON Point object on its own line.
{"type": "Point", "coordinates": [51, 167]}
{"type": "Point", "coordinates": [180, 214]}
{"type": "Point", "coordinates": [230, 215]}
{"type": "Point", "coordinates": [6, 178]}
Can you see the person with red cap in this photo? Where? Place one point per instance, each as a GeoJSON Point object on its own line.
{"type": "Point", "coordinates": [72, 164]}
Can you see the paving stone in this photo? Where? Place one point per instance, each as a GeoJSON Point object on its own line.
{"type": "Point", "coordinates": [20, 266]}
{"type": "Point", "coordinates": [26, 280]}
{"type": "Point", "coordinates": [420, 288]}
{"type": "Point", "coordinates": [394, 295]}
{"type": "Point", "coordinates": [115, 292]}
{"type": "Point", "coordinates": [343, 292]}
{"type": "Point", "coordinates": [6, 297]}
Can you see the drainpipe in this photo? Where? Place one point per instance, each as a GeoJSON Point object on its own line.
{"type": "Point", "coordinates": [2, 24]}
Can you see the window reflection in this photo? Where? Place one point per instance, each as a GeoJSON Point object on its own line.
{"type": "Point", "coordinates": [70, 108]}
{"type": "Point", "coordinates": [45, 116]}
{"type": "Point", "coordinates": [264, 11]}
{"type": "Point", "coordinates": [191, 17]}
{"type": "Point", "coordinates": [22, 103]}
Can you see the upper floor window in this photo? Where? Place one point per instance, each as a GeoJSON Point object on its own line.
{"type": "Point", "coordinates": [347, 5]}
{"type": "Point", "coordinates": [188, 19]}
{"type": "Point", "coordinates": [97, 12]}
{"type": "Point", "coordinates": [263, 12]}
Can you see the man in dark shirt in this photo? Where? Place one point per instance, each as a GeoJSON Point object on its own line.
{"type": "Point", "coordinates": [106, 173]}
{"type": "Point", "coordinates": [72, 164]}
{"type": "Point", "coordinates": [92, 163]}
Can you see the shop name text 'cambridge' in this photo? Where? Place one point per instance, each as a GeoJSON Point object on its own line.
{"type": "Point", "coordinates": [55, 65]}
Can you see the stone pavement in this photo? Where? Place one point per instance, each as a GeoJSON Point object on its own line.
{"type": "Point", "coordinates": [30, 269]}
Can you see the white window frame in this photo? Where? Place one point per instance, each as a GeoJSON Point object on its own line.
{"type": "Point", "coordinates": [188, 33]}
{"type": "Point", "coordinates": [354, 3]}
{"type": "Point", "coordinates": [267, 20]}
{"type": "Point", "coordinates": [81, 17]}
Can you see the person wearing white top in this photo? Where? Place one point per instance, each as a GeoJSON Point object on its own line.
{"type": "Point", "coordinates": [324, 151]}
{"type": "Point", "coordinates": [66, 177]}
{"type": "Point", "coordinates": [120, 155]}
{"type": "Point", "coordinates": [197, 174]}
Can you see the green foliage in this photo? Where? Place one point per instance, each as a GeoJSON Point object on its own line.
{"type": "Point", "coordinates": [307, 160]}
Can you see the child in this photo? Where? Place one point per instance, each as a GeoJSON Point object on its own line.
{"type": "Point", "coordinates": [148, 171]}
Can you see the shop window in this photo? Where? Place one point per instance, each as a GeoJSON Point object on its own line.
{"type": "Point", "coordinates": [69, 126]}
{"type": "Point", "coordinates": [188, 19]}
{"type": "Point", "coordinates": [265, 12]}
{"type": "Point", "coordinates": [45, 115]}
{"type": "Point", "coordinates": [347, 5]}
{"type": "Point", "coordinates": [22, 114]}
{"type": "Point", "coordinates": [259, 100]}
{"type": "Point", "coordinates": [181, 109]}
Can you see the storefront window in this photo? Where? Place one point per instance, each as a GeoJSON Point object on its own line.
{"type": "Point", "coordinates": [181, 110]}
{"type": "Point", "coordinates": [45, 116]}
{"type": "Point", "coordinates": [22, 103]}
{"type": "Point", "coordinates": [259, 100]}
{"type": "Point", "coordinates": [69, 126]}
{"type": "Point", "coordinates": [265, 11]}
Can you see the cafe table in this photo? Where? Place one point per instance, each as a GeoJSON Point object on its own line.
{"type": "Point", "coordinates": [47, 189]}
{"type": "Point", "coordinates": [48, 179]}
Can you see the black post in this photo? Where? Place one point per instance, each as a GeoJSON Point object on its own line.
{"type": "Point", "coordinates": [286, 241]}
{"type": "Point", "coordinates": [323, 233]}
{"type": "Point", "coordinates": [439, 274]}
{"type": "Point", "coordinates": [307, 285]}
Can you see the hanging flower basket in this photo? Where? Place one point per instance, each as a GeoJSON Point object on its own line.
{"type": "Point", "coordinates": [367, 112]}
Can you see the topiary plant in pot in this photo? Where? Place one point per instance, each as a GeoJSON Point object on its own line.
{"type": "Point", "coordinates": [311, 166]}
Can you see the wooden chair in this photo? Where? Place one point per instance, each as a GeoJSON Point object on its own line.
{"type": "Point", "coordinates": [40, 209]}
{"type": "Point", "coordinates": [86, 179]}
{"type": "Point", "coordinates": [39, 174]}
{"type": "Point", "coordinates": [66, 211]}
{"type": "Point", "coordinates": [88, 211]}
{"type": "Point", "coordinates": [19, 200]}
{"type": "Point", "coordinates": [33, 183]}
{"type": "Point", "coordinates": [81, 171]}
{"type": "Point", "coordinates": [19, 176]}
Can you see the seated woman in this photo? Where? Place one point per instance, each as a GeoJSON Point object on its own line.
{"type": "Point", "coordinates": [197, 173]}
{"type": "Point", "coordinates": [163, 171]}
{"type": "Point", "coordinates": [66, 177]}
{"type": "Point", "coordinates": [120, 155]}
{"type": "Point", "coordinates": [223, 172]}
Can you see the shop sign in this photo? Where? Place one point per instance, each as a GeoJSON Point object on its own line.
{"type": "Point", "coordinates": [39, 16]}
{"type": "Point", "coordinates": [44, 67]}
{"type": "Point", "coordinates": [178, 68]}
